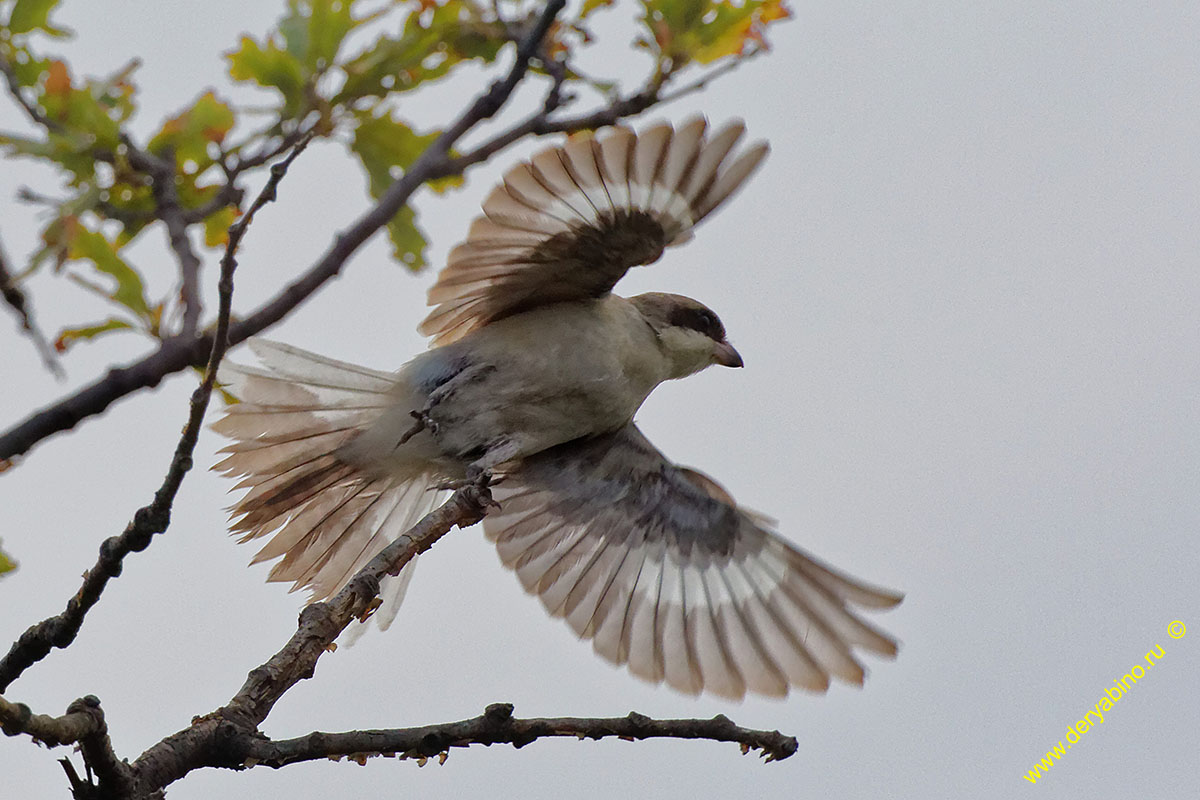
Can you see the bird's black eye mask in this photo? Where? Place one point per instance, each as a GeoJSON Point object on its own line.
{"type": "Point", "coordinates": [699, 319]}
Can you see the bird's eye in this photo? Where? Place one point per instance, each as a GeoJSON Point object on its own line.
{"type": "Point", "coordinates": [698, 319]}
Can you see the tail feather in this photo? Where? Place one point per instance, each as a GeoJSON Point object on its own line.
{"type": "Point", "coordinates": [275, 455]}
{"type": "Point", "coordinates": [311, 369]}
{"type": "Point", "coordinates": [323, 517]}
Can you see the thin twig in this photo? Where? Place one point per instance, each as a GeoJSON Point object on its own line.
{"type": "Point", "coordinates": [540, 124]}
{"type": "Point", "coordinates": [228, 195]}
{"type": "Point", "coordinates": [268, 152]}
{"type": "Point", "coordinates": [497, 726]}
{"type": "Point", "coordinates": [35, 114]}
{"type": "Point", "coordinates": [60, 630]}
{"type": "Point", "coordinates": [167, 208]}
{"type": "Point", "coordinates": [716, 72]}
{"type": "Point", "coordinates": [19, 303]}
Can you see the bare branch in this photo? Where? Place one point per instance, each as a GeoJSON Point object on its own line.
{"type": "Point", "coordinates": [161, 170]}
{"type": "Point", "coordinates": [60, 630]}
{"type": "Point", "coordinates": [83, 724]}
{"type": "Point", "coordinates": [19, 303]}
{"type": "Point", "coordinates": [319, 626]}
{"type": "Point", "coordinates": [497, 726]}
{"type": "Point", "coordinates": [17, 718]}
{"type": "Point", "coordinates": [267, 152]}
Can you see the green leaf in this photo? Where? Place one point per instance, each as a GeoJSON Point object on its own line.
{"type": "Point", "coordinates": [707, 30]}
{"type": "Point", "coordinates": [69, 336]}
{"type": "Point", "coordinates": [407, 238]}
{"type": "Point", "coordinates": [189, 133]}
{"type": "Point", "coordinates": [6, 563]}
{"type": "Point", "coordinates": [25, 65]}
{"type": "Point", "coordinates": [86, 109]}
{"type": "Point", "coordinates": [591, 5]}
{"type": "Point", "coordinates": [30, 15]}
{"type": "Point", "coordinates": [25, 146]}
{"type": "Point", "coordinates": [386, 147]}
{"type": "Point", "coordinates": [431, 44]}
{"type": "Point", "coordinates": [132, 203]}
{"type": "Point", "coordinates": [216, 226]}
{"type": "Point", "coordinates": [271, 67]}
{"type": "Point", "coordinates": [313, 30]}
{"type": "Point", "coordinates": [130, 291]}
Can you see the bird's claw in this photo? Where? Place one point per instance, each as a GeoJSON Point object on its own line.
{"type": "Point", "coordinates": [475, 489]}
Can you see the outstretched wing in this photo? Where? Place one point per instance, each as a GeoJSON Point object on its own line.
{"type": "Point", "coordinates": [567, 224]}
{"type": "Point", "coordinates": [657, 565]}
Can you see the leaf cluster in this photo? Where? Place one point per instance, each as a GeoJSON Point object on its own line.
{"type": "Point", "coordinates": [335, 69]}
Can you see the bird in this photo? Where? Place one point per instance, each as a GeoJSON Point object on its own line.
{"type": "Point", "coordinates": [533, 376]}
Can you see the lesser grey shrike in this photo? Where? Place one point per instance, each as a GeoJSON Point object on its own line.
{"type": "Point", "coordinates": [534, 374]}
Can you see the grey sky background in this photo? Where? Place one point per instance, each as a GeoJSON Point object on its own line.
{"type": "Point", "coordinates": [965, 288]}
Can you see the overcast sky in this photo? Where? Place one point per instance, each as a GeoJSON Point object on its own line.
{"type": "Point", "coordinates": [965, 287]}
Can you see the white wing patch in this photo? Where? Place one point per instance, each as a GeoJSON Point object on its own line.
{"type": "Point", "coordinates": [567, 224]}
{"type": "Point", "coordinates": [664, 575]}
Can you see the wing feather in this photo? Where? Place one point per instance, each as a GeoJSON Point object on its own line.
{"type": "Point", "coordinates": [567, 224]}
{"type": "Point", "coordinates": [658, 566]}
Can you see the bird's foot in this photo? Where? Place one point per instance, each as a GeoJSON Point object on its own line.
{"type": "Point", "coordinates": [475, 491]}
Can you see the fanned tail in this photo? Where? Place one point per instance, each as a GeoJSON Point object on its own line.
{"type": "Point", "coordinates": [326, 517]}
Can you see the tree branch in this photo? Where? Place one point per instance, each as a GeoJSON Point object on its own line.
{"type": "Point", "coordinates": [19, 303]}
{"type": "Point", "coordinates": [83, 724]}
{"type": "Point", "coordinates": [161, 170]}
{"type": "Point", "coordinates": [177, 353]}
{"type": "Point", "coordinates": [498, 726]}
{"type": "Point", "coordinates": [207, 741]}
{"type": "Point", "coordinates": [229, 737]}
{"type": "Point", "coordinates": [436, 162]}
{"type": "Point", "coordinates": [17, 718]}
{"type": "Point", "coordinates": [59, 631]}
{"type": "Point", "coordinates": [228, 195]}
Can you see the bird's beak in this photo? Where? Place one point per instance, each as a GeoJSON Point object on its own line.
{"type": "Point", "coordinates": [726, 356]}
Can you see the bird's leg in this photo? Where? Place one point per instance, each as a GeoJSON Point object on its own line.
{"type": "Point", "coordinates": [422, 422]}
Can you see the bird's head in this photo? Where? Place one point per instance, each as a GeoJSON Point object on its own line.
{"type": "Point", "coordinates": [690, 334]}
